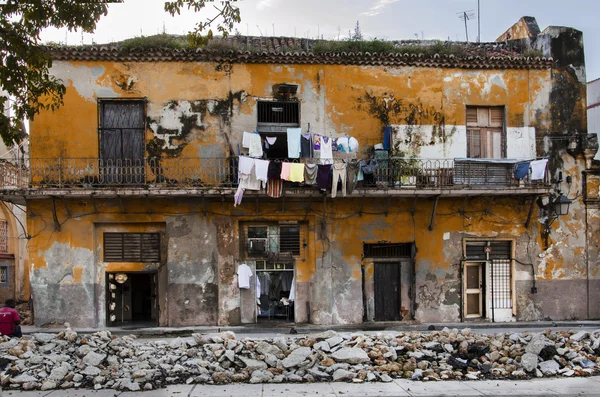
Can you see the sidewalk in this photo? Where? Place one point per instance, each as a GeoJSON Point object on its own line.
{"type": "Point", "coordinates": [401, 387]}
{"type": "Point", "coordinates": [311, 328]}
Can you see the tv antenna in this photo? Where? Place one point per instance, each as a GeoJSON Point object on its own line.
{"type": "Point", "coordinates": [466, 16]}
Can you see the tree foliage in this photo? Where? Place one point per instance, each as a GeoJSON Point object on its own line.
{"type": "Point", "coordinates": [25, 64]}
{"type": "Point", "coordinates": [357, 35]}
{"type": "Point", "coordinates": [227, 14]}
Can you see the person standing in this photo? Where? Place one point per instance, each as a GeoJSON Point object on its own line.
{"type": "Point", "coordinates": [10, 319]}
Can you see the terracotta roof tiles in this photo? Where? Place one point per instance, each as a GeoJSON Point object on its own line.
{"type": "Point", "coordinates": [298, 51]}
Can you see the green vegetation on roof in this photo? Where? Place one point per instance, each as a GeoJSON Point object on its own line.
{"type": "Point", "coordinates": [376, 46]}
{"type": "Point", "coordinates": [380, 46]}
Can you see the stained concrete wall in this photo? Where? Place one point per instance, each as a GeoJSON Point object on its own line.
{"type": "Point", "coordinates": [200, 109]}
{"type": "Point", "coordinates": [202, 253]}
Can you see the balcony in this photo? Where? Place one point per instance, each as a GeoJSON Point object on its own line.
{"type": "Point", "coordinates": [218, 177]}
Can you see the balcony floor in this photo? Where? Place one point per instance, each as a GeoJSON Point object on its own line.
{"type": "Point", "coordinates": [19, 196]}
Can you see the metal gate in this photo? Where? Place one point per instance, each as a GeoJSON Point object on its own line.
{"type": "Point", "coordinates": [387, 291]}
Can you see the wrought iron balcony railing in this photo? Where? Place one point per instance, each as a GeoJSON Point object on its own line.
{"type": "Point", "coordinates": [182, 173]}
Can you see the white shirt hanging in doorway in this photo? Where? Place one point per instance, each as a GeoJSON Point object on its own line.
{"type": "Point", "coordinates": [244, 273]}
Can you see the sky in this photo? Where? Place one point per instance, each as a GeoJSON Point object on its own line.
{"type": "Point", "coordinates": [332, 19]}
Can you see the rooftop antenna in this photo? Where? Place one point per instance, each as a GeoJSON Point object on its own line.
{"type": "Point", "coordinates": [478, 22]}
{"type": "Point", "coordinates": [466, 16]}
{"type": "Point", "coordinates": [259, 30]}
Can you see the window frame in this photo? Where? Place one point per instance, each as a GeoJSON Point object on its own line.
{"type": "Point", "coordinates": [4, 241]}
{"type": "Point", "coordinates": [5, 265]}
{"type": "Point", "coordinates": [485, 127]}
{"type": "Point", "coordinates": [276, 129]}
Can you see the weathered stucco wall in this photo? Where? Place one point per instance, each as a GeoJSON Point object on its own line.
{"type": "Point", "coordinates": [188, 115]}
{"type": "Point", "coordinates": [199, 109]}
{"type": "Point", "coordinates": [69, 282]}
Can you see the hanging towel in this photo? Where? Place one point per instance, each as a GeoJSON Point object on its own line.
{"type": "Point", "coordinates": [293, 142]}
{"type": "Point", "coordinates": [297, 172]}
{"type": "Point", "coordinates": [275, 188]}
{"type": "Point", "coordinates": [326, 152]}
{"type": "Point", "coordinates": [274, 170]}
{"type": "Point", "coordinates": [305, 145]}
{"type": "Point", "coordinates": [246, 139]}
{"type": "Point", "coordinates": [285, 171]}
{"type": "Point", "coordinates": [353, 144]}
{"type": "Point", "coordinates": [255, 146]}
{"type": "Point", "coordinates": [387, 137]}
{"type": "Point", "coordinates": [246, 165]}
{"type": "Point", "coordinates": [538, 169]}
{"type": "Point", "coordinates": [261, 167]}
{"type": "Point", "coordinates": [324, 176]}
{"type": "Point", "coordinates": [310, 174]}
{"type": "Point", "coordinates": [249, 182]}
{"type": "Point", "coordinates": [257, 288]}
{"type": "Point", "coordinates": [521, 170]}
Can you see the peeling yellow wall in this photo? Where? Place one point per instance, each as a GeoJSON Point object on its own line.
{"type": "Point", "coordinates": [335, 100]}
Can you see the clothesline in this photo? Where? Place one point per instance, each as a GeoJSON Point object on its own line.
{"type": "Point", "coordinates": [299, 144]}
{"type": "Point", "coordinates": [257, 174]}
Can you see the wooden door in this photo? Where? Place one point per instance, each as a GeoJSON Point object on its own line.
{"type": "Point", "coordinates": [387, 291]}
{"type": "Point", "coordinates": [473, 287]}
{"type": "Point", "coordinates": [121, 130]}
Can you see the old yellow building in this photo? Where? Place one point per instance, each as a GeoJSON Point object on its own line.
{"type": "Point", "coordinates": [130, 202]}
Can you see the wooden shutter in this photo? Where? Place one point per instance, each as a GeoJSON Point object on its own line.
{"type": "Point", "coordinates": [131, 247]}
{"type": "Point", "coordinates": [484, 132]}
{"type": "Point", "coordinates": [472, 117]}
{"type": "Point", "coordinates": [496, 117]}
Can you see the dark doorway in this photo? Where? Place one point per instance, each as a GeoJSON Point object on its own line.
{"type": "Point", "coordinates": [387, 291]}
{"type": "Point", "coordinates": [122, 128]}
{"type": "Point", "coordinates": [132, 301]}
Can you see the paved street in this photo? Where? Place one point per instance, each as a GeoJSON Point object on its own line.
{"type": "Point", "coordinates": [266, 334]}
{"type": "Point", "coordinates": [536, 387]}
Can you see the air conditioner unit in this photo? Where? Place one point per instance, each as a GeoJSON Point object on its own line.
{"type": "Point", "coordinates": [257, 246]}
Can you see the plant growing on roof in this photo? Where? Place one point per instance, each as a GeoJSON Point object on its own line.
{"type": "Point", "coordinates": [226, 16]}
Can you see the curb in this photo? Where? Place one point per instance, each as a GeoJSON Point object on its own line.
{"type": "Point", "coordinates": [307, 329]}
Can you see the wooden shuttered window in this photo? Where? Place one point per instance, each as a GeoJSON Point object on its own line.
{"type": "Point", "coordinates": [131, 247]}
{"type": "Point", "coordinates": [485, 132]}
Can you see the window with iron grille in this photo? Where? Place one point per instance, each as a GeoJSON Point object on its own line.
{"type": "Point", "coordinates": [4, 269]}
{"type": "Point", "coordinates": [476, 250]}
{"type": "Point", "coordinates": [277, 242]}
{"type": "Point", "coordinates": [273, 120]}
{"type": "Point", "coordinates": [485, 132]}
{"type": "Point", "coordinates": [279, 112]}
{"type": "Point", "coordinates": [3, 237]}
{"type": "Point", "coordinates": [132, 247]}
{"type": "Point", "coordinates": [387, 250]}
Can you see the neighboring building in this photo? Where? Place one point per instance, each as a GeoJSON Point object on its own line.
{"type": "Point", "coordinates": [593, 108]}
{"type": "Point", "coordinates": [13, 233]}
{"type": "Point", "coordinates": [130, 201]}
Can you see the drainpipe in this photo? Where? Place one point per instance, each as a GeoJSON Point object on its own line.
{"type": "Point", "coordinates": [460, 278]}
{"type": "Point", "coordinates": [492, 290]}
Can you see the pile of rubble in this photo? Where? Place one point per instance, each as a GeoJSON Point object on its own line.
{"type": "Point", "coordinates": [68, 360]}
{"type": "Point", "coordinates": [24, 311]}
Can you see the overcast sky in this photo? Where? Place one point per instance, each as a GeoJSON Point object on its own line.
{"type": "Point", "coordinates": [388, 19]}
